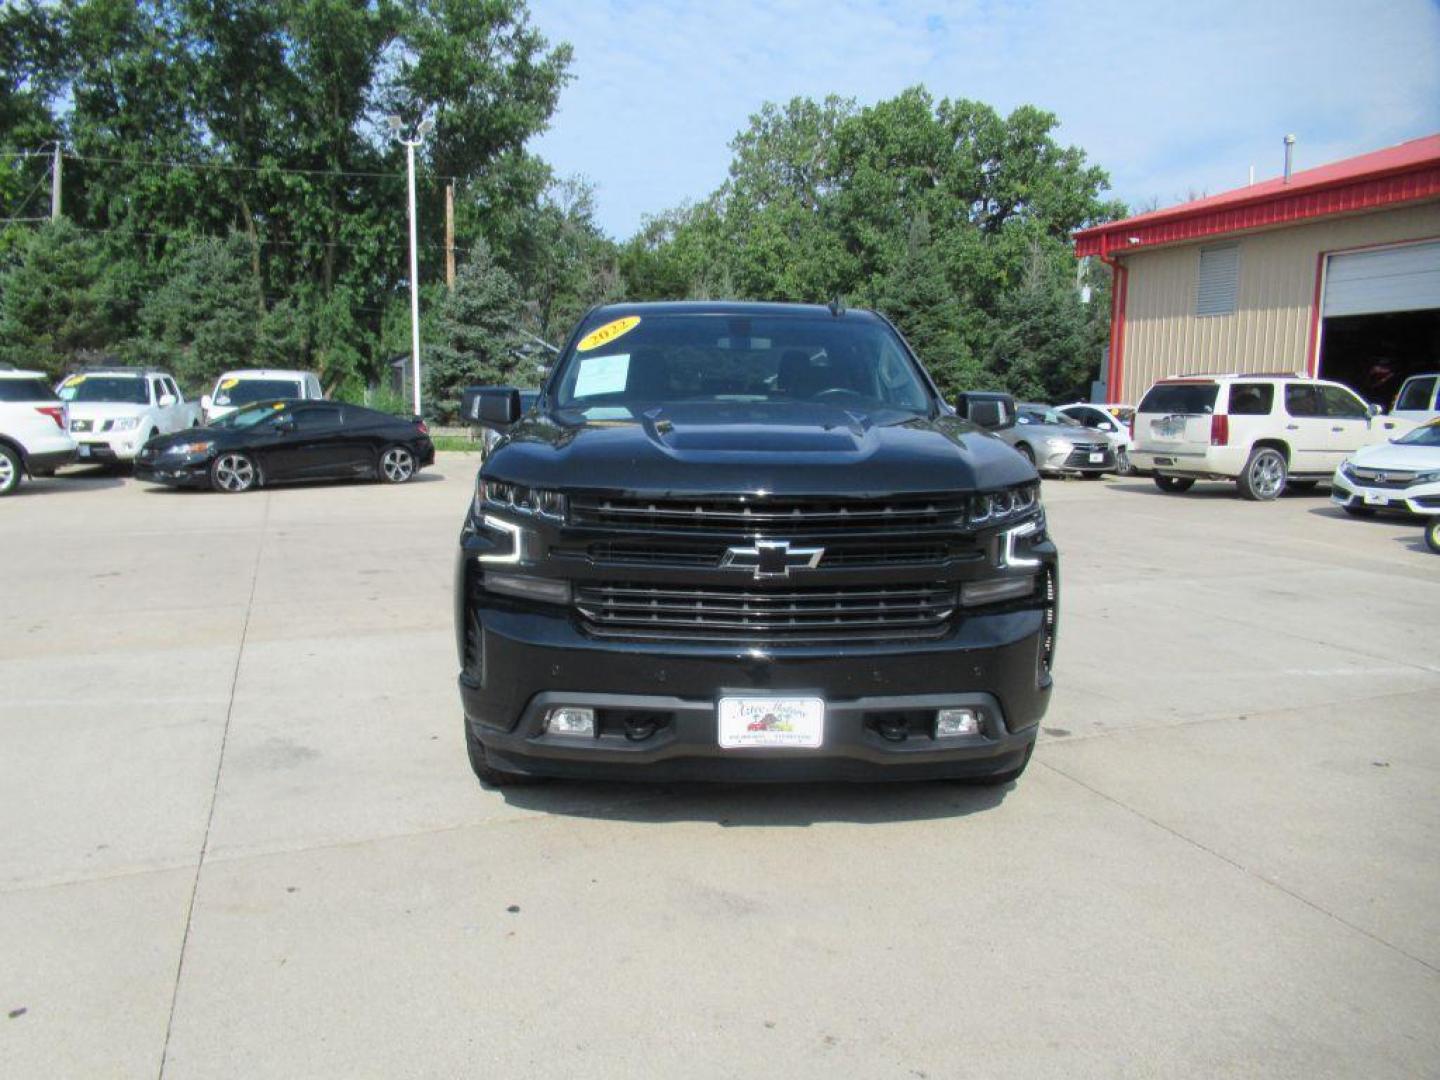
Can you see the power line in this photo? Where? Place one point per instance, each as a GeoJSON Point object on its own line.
{"type": "Point", "coordinates": [220, 166]}
{"type": "Point", "coordinates": [173, 235]}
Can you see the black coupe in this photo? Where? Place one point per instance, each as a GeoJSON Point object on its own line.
{"type": "Point", "coordinates": [273, 442]}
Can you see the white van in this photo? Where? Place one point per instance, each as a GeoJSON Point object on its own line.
{"type": "Point", "coordinates": [1419, 398]}
{"type": "Point", "coordinates": [236, 388]}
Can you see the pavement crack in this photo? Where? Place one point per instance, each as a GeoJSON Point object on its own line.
{"type": "Point", "coordinates": [1242, 868]}
{"type": "Point", "coordinates": [215, 785]}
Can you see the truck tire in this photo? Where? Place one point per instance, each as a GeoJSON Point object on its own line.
{"type": "Point", "coordinates": [1432, 535]}
{"type": "Point", "coordinates": [484, 772]}
{"type": "Point", "coordinates": [9, 470]}
{"type": "Point", "coordinates": [1263, 478]}
{"type": "Point", "coordinates": [1173, 484]}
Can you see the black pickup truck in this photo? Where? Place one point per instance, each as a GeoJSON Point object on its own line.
{"type": "Point", "coordinates": [738, 541]}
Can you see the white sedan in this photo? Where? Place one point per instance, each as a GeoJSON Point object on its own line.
{"type": "Point", "coordinates": [1113, 421]}
{"type": "Point", "coordinates": [1402, 475]}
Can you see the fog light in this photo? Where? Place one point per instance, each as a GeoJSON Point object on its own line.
{"type": "Point", "coordinates": [993, 590]}
{"type": "Point", "coordinates": [528, 588]}
{"type": "Point", "coordinates": [571, 721]}
{"type": "Point", "coordinates": [950, 722]}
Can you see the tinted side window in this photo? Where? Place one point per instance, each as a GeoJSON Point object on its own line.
{"type": "Point", "coordinates": [1342, 404]}
{"type": "Point", "coordinates": [1417, 394]}
{"type": "Point", "coordinates": [1302, 400]}
{"type": "Point", "coordinates": [1252, 399]}
{"type": "Point", "coordinates": [316, 419]}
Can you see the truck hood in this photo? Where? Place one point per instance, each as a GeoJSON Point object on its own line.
{"type": "Point", "coordinates": [105, 410]}
{"type": "Point", "coordinates": [1411, 458]}
{"type": "Point", "coordinates": [753, 448]}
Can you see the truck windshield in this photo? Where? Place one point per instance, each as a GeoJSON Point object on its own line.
{"type": "Point", "coordinates": [624, 365]}
{"type": "Point", "coordinates": [126, 389]}
{"type": "Point", "coordinates": [244, 391]}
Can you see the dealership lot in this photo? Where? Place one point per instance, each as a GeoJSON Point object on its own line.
{"type": "Point", "coordinates": [241, 837]}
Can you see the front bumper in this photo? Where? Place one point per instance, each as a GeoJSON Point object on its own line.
{"type": "Point", "coordinates": [522, 659]}
{"type": "Point", "coordinates": [1414, 499]}
{"type": "Point", "coordinates": [1069, 461]}
{"type": "Point", "coordinates": [107, 448]}
{"type": "Point", "coordinates": [179, 472]}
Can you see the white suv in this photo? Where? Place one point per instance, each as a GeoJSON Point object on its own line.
{"type": "Point", "coordinates": [33, 422]}
{"type": "Point", "coordinates": [1265, 432]}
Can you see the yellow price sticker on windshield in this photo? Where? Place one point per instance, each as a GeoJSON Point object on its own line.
{"type": "Point", "coordinates": [608, 333]}
{"type": "Point", "coordinates": [229, 384]}
{"type": "Point", "coordinates": [74, 380]}
{"type": "Point", "coordinates": [278, 405]}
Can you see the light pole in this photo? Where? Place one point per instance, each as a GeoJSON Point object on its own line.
{"type": "Point", "coordinates": [410, 144]}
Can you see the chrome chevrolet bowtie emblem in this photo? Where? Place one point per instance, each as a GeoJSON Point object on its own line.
{"type": "Point", "coordinates": [772, 558]}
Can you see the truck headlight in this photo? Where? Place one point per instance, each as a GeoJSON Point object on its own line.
{"type": "Point", "coordinates": [993, 507]}
{"type": "Point", "coordinates": [516, 498]}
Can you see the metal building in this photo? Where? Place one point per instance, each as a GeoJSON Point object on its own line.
{"type": "Point", "coordinates": [1333, 270]}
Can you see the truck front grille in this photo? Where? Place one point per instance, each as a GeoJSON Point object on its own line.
{"type": "Point", "coordinates": [662, 552]}
{"type": "Point", "coordinates": [760, 515]}
{"type": "Point", "coordinates": [643, 611]}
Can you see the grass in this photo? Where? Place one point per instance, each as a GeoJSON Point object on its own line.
{"type": "Point", "coordinates": [456, 442]}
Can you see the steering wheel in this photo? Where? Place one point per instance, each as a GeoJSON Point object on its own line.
{"type": "Point", "coordinates": [837, 391]}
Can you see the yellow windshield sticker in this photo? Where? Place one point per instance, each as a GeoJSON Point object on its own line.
{"type": "Point", "coordinates": [229, 384]}
{"type": "Point", "coordinates": [608, 333]}
{"type": "Point", "coordinates": [278, 405]}
{"type": "Point", "coordinates": [74, 380]}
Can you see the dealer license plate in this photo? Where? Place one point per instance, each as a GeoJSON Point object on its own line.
{"type": "Point", "coordinates": [1095, 459]}
{"type": "Point", "coordinates": [756, 722]}
{"type": "Point", "coordinates": [1372, 499]}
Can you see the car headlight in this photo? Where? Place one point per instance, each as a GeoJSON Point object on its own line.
{"type": "Point", "coordinates": [518, 499]}
{"type": "Point", "coordinates": [186, 449]}
{"type": "Point", "coordinates": [1057, 444]}
{"type": "Point", "coordinates": [1426, 477]}
{"type": "Point", "coordinates": [993, 507]}
{"type": "Point", "coordinates": [125, 423]}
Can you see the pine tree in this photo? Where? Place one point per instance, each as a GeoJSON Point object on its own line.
{"type": "Point", "coordinates": [476, 338]}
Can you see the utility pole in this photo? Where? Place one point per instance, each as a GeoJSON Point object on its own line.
{"type": "Point", "coordinates": [55, 185]}
{"type": "Point", "coordinates": [450, 235]}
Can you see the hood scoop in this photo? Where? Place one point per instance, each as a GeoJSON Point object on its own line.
{"type": "Point", "coordinates": [823, 431]}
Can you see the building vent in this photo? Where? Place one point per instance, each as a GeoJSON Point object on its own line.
{"type": "Point", "coordinates": [1219, 280]}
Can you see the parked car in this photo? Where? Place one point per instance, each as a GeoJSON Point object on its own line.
{"type": "Point", "coordinates": [1418, 399]}
{"type": "Point", "coordinates": [1403, 475]}
{"type": "Point", "coordinates": [1265, 432]}
{"type": "Point", "coordinates": [1113, 421]}
{"type": "Point", "coordinates": [115, 410]}
{"type": "Point", "coordinates": [236, 388]}
{"type": "Point", "coordinates": [744, 541]}
{"type": "Point", "coordinates": [33, 439]}
{"type": "Point", "coordinates": [1053, 443]}
{"type": "Point", "coordinates": [271, 442]}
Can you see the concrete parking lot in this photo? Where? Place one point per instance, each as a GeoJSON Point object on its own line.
{"type": "Point", "coordinates": [240, 836]}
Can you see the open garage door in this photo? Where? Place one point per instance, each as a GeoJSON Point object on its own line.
{"type": "Point", "coordinates": [1381, 318]}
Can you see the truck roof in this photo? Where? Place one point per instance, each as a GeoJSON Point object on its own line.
{"type": "Point", "coordinates": [754, 308]}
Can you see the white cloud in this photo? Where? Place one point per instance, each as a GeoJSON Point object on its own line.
{"type": "Point", "coordinates": [1167, 97]}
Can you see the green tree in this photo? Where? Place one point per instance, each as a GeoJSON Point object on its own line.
{"type": "Point", "coordinates": [475, 333]}
{"type": "Point", "coordinates": [206, 315]}
{"type": "Point", "coordinates": [57, 302]}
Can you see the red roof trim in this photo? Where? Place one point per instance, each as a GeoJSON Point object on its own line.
{"type": "Point", "coordinates": [1406, 173]}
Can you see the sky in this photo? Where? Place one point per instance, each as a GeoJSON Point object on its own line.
{"type": "Point", "coordinates": [1170, 98]}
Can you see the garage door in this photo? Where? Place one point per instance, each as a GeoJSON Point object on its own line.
{"type": "Point", "coordinates": [1389, 279]}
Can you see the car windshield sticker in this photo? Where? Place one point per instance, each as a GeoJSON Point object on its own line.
{"type": "Point", "coordinates": [229, 384]}
{"type": "Point", "coordinates": [278, 405]}
{"type": "Point", "coordinates": [74, 380]}
{"type": "Point", "coordinates": [608, 333]}
{"type": "Point", "coordinates": [602, 375]}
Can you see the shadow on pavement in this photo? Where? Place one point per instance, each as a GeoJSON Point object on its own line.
{"type": "Point", "coordinates": [759, 805]}
{"type": "Point", "coordinates": [1330, 510]}
{"type": "Point", "coordinates": [84, 478]}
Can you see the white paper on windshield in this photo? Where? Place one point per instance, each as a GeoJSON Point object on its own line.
{"type": "Point", "coordinates": [602, 375]}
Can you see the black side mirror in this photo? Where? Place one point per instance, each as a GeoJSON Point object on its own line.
{"type": "Point", "coordinates": [490, 406]}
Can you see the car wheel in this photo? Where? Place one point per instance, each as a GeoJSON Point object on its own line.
{"type": "Point", "coordinates": [1359, 511]}
{"type": "Point", "coordinates": [1264, 475]}
{"type": "Point", "coordinates": [9, 470]}
{"type": "Point", "coordinates": [1024, 448]}
{"type": "Point", "coordinates": [1122, 463]}
{"type": "Point", "coordinates": [397, 465]}
{"type": "Point", "coordinates": [1006, 777]}
{"type": "Point", "coordinates": [487, 774]}
{"type": "Point", "coordinates": [1432, 535]}
{"type": "Point", "coordinates": [1174, 484]}
{"type": "Point", "coordinates": [233, 473]}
